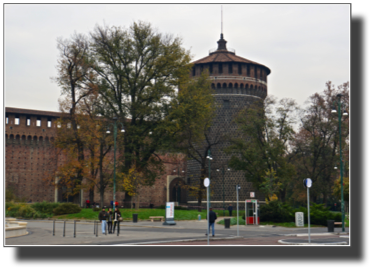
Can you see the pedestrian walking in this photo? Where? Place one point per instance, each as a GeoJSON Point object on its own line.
{"type": "Point", "coordinates": [110, 222]}
{"type": "Point", "coordinates": [230, 209]}
{"type": "Point", "coordinates": [212, 218]}
{"type": "Point", "coordinates": [88, 203]}
{"type": "Point", "coordinates": [103, 216]}
{"type": "Point", "coordinates": [116, 215]}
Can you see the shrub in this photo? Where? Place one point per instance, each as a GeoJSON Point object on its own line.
{"type": "Point", "coordinates": [319, 214]}
{"type": "Point", "coordinates": [96, 208]}
{"type": "Point", "coordinates": [26, 211]}
{"type": "Point", "coordinates": [66, 208]}
{"type": "Point", "coordinates": [276, 211]}
{"type": "Point", "coordinates": [45, 207]}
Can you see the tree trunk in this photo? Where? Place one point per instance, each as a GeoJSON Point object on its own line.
{"type": "Point", "coordinates": [137, 202]}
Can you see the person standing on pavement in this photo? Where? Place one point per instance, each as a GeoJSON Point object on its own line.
{"type": "Point", "coordinates": [116, 215]}
{"type": "Point", "coordinates": [212, 218]}
{"type": "Point", "coordinates": [110, 217]}
{"type": "Point", "coordinates": [230, 209]}
{"type": "Point", "coordinates": [102, 216]}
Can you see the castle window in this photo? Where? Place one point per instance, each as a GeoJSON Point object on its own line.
{"type": "Point", "coordinates": [226, 103]}
{"type": "Point", "coordinates": [246, 86]}
{"type": "Point", "coordinates": [7, 120]}
{"type": "Point", "coordinates": [68, 125]}
{"type": "Point", "coordinates": [229, 68]}
{"type": "Point", "coordinates": [224, 85]}
{"type": "Point", "coordinates": [211, 68]}
{"type": "Point", "coordinates": [236, 85]}
{"type": "Point", "coordinates": [212, 86]}
{"type": "Point", "coordinates": [17, 120]}
{"type": "Point", "coordinates": [239, 69]}
{"type": "Point", "coordinates": [218, 85]}
{"type": "Point", "coordinates": [220, 68]}
{"type": "Point", "coordinates": [229, 85]}
{"type": "Point", "coordinates": [28, 121]}
{"type": "Point", "coordinates": [241, 86]}
{"type": "Point", "coordinates": [48, 122]}
{"type": "Point", "coordinates": [38, 121]}
{"type": "Point", "coordinates": [248, 70]}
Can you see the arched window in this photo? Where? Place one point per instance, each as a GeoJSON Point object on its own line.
{"type": "Point", "coordinates": [220, 68]}
{"type": "Point", "coordinates": [40, 138]}
{"type": "Point", "coordinates": [236, 85]}
{"type": "Point", "coordinates": [241, 85]}
{"type": "Point", "coordinates": [46, 139]}
{"type": "Point", "coordinates": [51, 139]}
{"type": "Point", "coordinates": [11, 137]}
{"type": "Point", "coordinates": [229, 85]}
{"type": "Point", "coordinates": [35, 138]}
{"type": "Point", "coordinates": [23, 138]}
{"type": "Point", "coordinates": [256, 87]}
{"type": "Point", "coordinates": [219, 85]}
{"type": "Point", "coordinates": [29, 138]}
{"type": "Point", "coordinates": [212, 86]}
{"type": "Point", "coordinates": [18, 137]}
{"type": "Point", "coordinates": [246, 86]}
{"type": "Point", "coordinates": [224, 85]}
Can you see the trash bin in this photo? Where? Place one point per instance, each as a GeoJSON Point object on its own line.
{"type": "Point", "coordinates": [227, 223]}
{"type": "Point", "coordinates": [330, 225]}
{"type": "Point", "coordinates": [135, 218]}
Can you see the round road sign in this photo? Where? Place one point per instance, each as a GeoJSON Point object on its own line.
{"type": "Point", "coordinates": [206, 182]}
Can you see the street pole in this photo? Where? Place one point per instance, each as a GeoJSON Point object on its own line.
{"type": "Point", "coordinates": [115, 150]}
{"type": "Point", "coordinates": [237, 207]}
{"type": "Point", "coordinates": [208, 220]}
{"type": "Point", "coordinates": [341, 168]}
{"type": "Point", "coordinates": [209, 156]}
{"type": "Point", "coordinates": [308, 213]}
{"type": "Point", "coordinates": [115, 124]}
{"type": "Point", "coordinates": [223, 192]}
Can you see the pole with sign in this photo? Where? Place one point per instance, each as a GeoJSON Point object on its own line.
{"type": "Point", "coordinates": [206, 183]}
{"type": "Point", "coordinates": [307, 184]}
{"type": "Point", "coordinates": [169, 214]}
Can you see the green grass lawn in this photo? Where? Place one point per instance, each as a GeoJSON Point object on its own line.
{"type": "Point", "coordinates": [143, 214]}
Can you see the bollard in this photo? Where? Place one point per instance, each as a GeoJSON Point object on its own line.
{"type": "Point", "coordinates": [64, 228]}
{"type": "Point", "coordinates": [135, 218]}
{"type": "Point", "coordinates": [227, 223]}
{"type": "Point", "coordinates": [199, 217]}
{"type": "Point", "coordinates": [54, 227]}
{"type": "Point", "coordinates": [94, 227]}
{"type": "Point", "coordinates": [96, 230]}
{"type": "Point", "coordinates": [117, 228]}
{"type": "Point", "coordinates": [74, 228]}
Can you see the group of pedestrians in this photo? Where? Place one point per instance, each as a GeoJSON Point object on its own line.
{"type": "Point", "coordinates": [110, 218]}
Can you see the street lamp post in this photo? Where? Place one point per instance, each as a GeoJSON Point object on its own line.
{"type": "Point", "coordinates": [237, 206]}
{"type": "Point", "coordinates": [228, 169]}
{"type": "Point", "coordinates": [115, 124]}
{"type": "Point", "coordinates": [209, 158]}
{"type": "Point", "coordinates": [339, 106]}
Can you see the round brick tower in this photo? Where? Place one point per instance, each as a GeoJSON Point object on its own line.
{"type": "Point", "coordinates": [237, 83]}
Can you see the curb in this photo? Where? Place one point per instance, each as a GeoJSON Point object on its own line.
{"type": "Point", "coordinates": [306, 243]}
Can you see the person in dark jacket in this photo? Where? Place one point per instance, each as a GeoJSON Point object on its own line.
{"type": "Point", "coordinates": [116, 214]}
{"type": "Point", "coordinates": [103, 216]}
{"type": "Point", "coordinates": [212, 218]}
{"type": "Point", "coordinates": [110, 217]}
{"type": "Point", "coordinates": [230, 209]}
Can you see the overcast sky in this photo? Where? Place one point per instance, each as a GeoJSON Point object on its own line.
{"type": "Point", "coordinates": [304, 45]}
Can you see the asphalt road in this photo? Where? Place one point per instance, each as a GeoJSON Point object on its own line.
{"type": "Point", "coordinates": [154, 233]}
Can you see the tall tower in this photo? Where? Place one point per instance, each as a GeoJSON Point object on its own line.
{"type": "Point", "coordinates": [237, 83]}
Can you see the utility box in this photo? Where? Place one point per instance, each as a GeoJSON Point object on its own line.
{"type": "Point", "coordinates": [299, 219]}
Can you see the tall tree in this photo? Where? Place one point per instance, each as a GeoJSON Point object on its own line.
{"type": "Point", "coordinates": [139, 72]}
{"type": "Point", "coordinates": [316, 145]}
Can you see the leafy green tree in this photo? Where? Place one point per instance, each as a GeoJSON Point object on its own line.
{"type": "Point", "coordinates": [265, 129]}
{"type": "Point", "coordinates": [316, 144]}
{"type": "Point", "coordinates": [142, 78]}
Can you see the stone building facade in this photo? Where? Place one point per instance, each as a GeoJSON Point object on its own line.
{"type": "Point", "coordinates": [237, 83]}
{"type": "Point", "coordinates": [31, 157]}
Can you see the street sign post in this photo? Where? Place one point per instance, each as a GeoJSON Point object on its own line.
{"type": "Point", "coordinates": [206, 183]}
{"type": "Point", "coordinates": [307, 183]}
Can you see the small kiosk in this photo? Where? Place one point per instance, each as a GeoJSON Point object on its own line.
{"type": "Point", "coordinates": [251, 212]}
